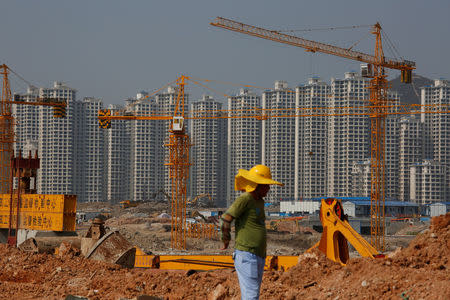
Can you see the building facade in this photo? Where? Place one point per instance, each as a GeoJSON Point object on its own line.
{"type": "Point", "coordinates": [428, 182]}
{"type": "Point", "coordinates": [361, 180]}
{"type": "Point", "coordinates": [410, 151]}
{"type": "Point", "coordinates": [56, 143]}
{"type": "Point", "coordinates": [278, 142]}
{"type": "Point", "coordinates": [90, 165]}
{"type": "Point", "coordinates": [348, 136]}
{"type": "Point", "coordinates": [311, 136]}
{"type": "Point", "coordinates": [244, 139]}
{"type": "Point", "coordinates": [437, 125]}
{"type": "Point", "coordinates": [147, 150]}
{"type": "Point", "coordinates": [208, 152]}
{"type": "Point", "coordinates": [117, 160]}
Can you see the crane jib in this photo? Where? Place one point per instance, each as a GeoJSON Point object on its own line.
{"type": "Point", "coordinates": [312, 46]}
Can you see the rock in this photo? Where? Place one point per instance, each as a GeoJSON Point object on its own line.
{"type": "Point", "coordinates": [219, 293]}
{"type": "Point", "coordinates": [147, 297]}
{"type": "Point", "coordinates": [364, 283]}
{"type": "Point", "coordinates": [73, 297]}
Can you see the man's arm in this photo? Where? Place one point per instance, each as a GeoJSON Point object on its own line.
{"type": "Point", "coordinates": [225, 229]}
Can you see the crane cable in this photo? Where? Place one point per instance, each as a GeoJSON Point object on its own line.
{"type": "Point", "coordinates": [391, 45]}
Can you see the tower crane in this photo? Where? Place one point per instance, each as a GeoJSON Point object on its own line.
{"type": "Point", "coordinates": [7, 140]}
{"type": "Point", "coordinates": [179, 143]}
{"type": "Point", "coordinates": [378, 87]}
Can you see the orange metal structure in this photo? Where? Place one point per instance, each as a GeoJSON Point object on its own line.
{"type": "Point", "coordinates": [202, 230]}
{"type": "Point", "coordinates": [205, 262]}
{"type": "Point", "coordinates": [178, 164]}
{"type": "Point", "coordinates": [6, 133]}
{"type": "Point", "coordinates": [178, 145]}
{"type": "Point", "coordinates": [378, 102]}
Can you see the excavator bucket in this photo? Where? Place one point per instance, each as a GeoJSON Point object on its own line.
{"type": "Point", "coordinates": [337, 232]}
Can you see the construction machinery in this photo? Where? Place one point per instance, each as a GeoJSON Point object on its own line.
{"type": "Point", "coordinates": [375, 70]}
{"type": "Point", "coordinates": [273, 225]}
{"type": "Point", "coordinates": [129, 203]}
{"type": "Point", "coordinates": [337, 231]}
{"type": "Point", "coordinates": [196, 201]}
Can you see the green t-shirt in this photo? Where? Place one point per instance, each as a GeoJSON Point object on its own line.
{"type": "Point", "coordinates": [250, 224]}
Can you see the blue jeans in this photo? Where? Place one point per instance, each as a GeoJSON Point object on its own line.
{"type": "Point", "coordinates": [249, 268]}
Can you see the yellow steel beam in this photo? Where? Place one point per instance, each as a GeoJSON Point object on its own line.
{"type": "Point", "coordinates": [202, 262]}
{"type": "Point", "coordinates": [40, 212]}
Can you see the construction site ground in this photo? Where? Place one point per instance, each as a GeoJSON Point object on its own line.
{"type": "Point", "coordinates": [416, 267]}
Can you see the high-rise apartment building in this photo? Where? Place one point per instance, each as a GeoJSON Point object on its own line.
{"type": "Point", "coordinates": [410, 151]}
{"type": "Point", "coordinates": [361, 178]}
{"type": "Point", "coordinates": [90, 165]}
{"type": "Point", "coordinates": [428, 182]}
{"type": "Point", "coordinates": [70, 149]}
{"type": "Point", "coordinates": [147, 169]}
{"type": "Point", "coordinates": [437, 126]}
{"type": "Point", "coordinates": [311, 134]}
{"type": "Point", "coordinates": [26, 118]}
{"type": "Point", "coordinates": [56, 143]}
{"type": "Point", "coordinates": [278, 138]}
{"type": "Point", "coordinates": [208, 152]}
{"type": "Point", "coordinates": [348, 136]}
{"type": "Point", "coordinates": [118, 160]}
{"type": "Point", "coordinates": [391, 154]}
{"type": "Point", "coordinates": [244, 139]}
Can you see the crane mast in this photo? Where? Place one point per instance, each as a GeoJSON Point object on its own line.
{"type": "Point", "coordinates": [178, 164]}
{"type": "Point", "coordinates": [377, 109]}
{"type": "Point", "coordinates": [6, 133]}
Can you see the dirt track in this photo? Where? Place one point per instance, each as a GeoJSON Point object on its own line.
{"type": "Point", "coordinates": [420, 271]}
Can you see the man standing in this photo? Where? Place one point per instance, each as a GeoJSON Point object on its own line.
{"type": "Point", "coordinates": [251, 242]}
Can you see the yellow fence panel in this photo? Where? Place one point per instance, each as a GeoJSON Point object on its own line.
{"type": "Point", "coordinates": [40, 212]}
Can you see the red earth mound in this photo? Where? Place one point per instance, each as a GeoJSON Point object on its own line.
{"type": "Point", "coordinates": [420, 271]}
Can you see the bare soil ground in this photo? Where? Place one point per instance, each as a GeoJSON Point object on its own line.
{"type": "Point", "coordinates": [419, 271]}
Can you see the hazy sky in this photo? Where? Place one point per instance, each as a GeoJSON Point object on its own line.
{"type": "Point", "coordinates": [112, 49]}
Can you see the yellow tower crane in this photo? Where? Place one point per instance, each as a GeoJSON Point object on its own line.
{"type": "Point", "coordinates": [378, 88]}
{"type": "Point", "coordinates": [7, 143]}
{"type": "Point", "coordinates": [179, 145]}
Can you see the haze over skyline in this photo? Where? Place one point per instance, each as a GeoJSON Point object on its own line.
{"type": "Point", "coordinates": [114, 49]}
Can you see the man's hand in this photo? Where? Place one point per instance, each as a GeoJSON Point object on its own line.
{"type": "Point", "coordinates": [225, 230]}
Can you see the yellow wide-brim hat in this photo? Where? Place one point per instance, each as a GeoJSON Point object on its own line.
{"type": "Point", "coordinates": [247, 181]}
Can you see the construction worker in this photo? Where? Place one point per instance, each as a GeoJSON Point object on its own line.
{"type": "Point", "coordinates": [250, 243]}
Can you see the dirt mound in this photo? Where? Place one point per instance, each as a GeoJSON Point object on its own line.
{"type": "Point", "coordinates": [419, 271]}
{"type": "Point", "coordinates": [430, 249]}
